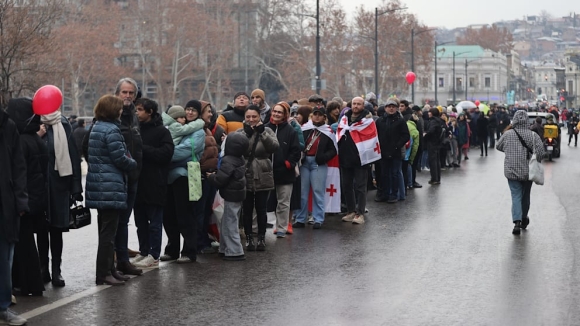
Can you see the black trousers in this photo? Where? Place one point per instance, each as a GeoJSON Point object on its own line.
{"type": "Point", "coordinates": [26, 265]}
{"type": "Point", "coordinates": [178, 219]}
{"type": "Point", "coordinates": [108, 220]}
{"type": "Point", "coordinates": [435, 164]}
{"type": "Point", "coordinates": [259, 201]}
{"type": "Point", "coordinates": [49, 238]}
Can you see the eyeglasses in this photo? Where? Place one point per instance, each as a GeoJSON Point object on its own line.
{"type": "Point", "coordinates": [277, 112]}
{"type": "Point", "coordinates": [189, 109]}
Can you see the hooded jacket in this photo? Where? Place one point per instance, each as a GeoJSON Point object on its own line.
{"type": "Point", "coordinates": [13, 195]}
{"type": "Point", "coordinates": [35, 153]}
{"type": "Point", "coordinates": [516, 155]}
{"type": "Point", "coordinates": [393, 135]}
{"type": "Point", "coordinates": [230, 179]}
{"type": "Point", "coordinates": [157, 152]}
{"type": "Point", "coordinates": [259, 175]}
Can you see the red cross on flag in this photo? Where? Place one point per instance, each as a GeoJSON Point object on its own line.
{"type": "Point", "coordinates": [332, 193]}
{"type": "Point", "coordinates": [365, 137]}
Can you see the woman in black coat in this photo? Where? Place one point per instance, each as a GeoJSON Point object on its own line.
{"type": "Point", "coordinates": [483, 132]}
{"type": "Point", "coordinates": [64, 188]}
{"type": "Point", "coordinates": [26, 275]}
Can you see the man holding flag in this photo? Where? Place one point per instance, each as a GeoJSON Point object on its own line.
{"type": "Point", "coordinates": [320, 148]}
{"type": "Point", "coordinates": [358, 146]}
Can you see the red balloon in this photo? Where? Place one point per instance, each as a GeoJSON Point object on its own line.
{"type": "Point", "coordinates": [46, 100]}
{"type": "Point", "coordinates": [477, 102]}
{"type": "Point", "coordinates": [410, 77]}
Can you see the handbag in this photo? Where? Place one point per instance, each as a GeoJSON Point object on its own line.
{"type": "Point", "coordinates": [194, 176]}
{"type": "Point", "coordinates": [80, 216]}
{"type": "Point", "coordinates": [535, 168]}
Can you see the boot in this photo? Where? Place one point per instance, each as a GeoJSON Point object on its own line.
{"type": "Point", "coordinates": [57, 279]}
{"type": "Point", "coordinates": [118, 275]}
{"type": "Point", "coordinates": [128, 269]}
{"type": "Point", "coordinates": [250, 245]}
{"type": "Point", "coordinates": [261, 243]}
{"type": "Point", "coordinates": [109, 280]}
{"type": "Point", "coordinates": [517, 227]}
{"type": "Point", "coordinates": [45, 274]}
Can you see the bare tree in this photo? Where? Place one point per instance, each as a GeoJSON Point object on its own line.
{"type": "Point", "coordinates": [25, 35]}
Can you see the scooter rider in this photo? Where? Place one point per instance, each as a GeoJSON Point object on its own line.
{"type": "Point", "coordinates": [548, 134]}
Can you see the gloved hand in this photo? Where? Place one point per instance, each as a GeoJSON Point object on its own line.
{"type": "Point", "coordinates": [259, 128]}
{"type": "Point", "coordinates": [288, 165]}
{"type": "Point", "coordinates": [77, 197]}
{"type": "Point", "coordinates": [249, 131]}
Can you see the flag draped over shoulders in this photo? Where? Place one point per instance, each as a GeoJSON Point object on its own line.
{"type": "Point", "coordinates": [364, 134]}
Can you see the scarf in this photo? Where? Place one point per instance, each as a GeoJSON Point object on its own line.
{"type": "Point", "coordinates": [62, 162]}
{"type": "Point", "coordinates": [325, 129]}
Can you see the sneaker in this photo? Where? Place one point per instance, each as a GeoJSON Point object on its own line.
{"type": "Point", "coordinates": [137, 259]}
{"type": "Point", "coordinates": [289, 229]}
{"type": "Point", "coordinates": [9, 317]}
{"type": "Point", "coordinates": [148, 262]}
{"type": "Point", "coordinates": [392, 201]}
{"type": "Point", "coordinates": [209, 250]}
{"type": "Point", "coordinates": [167, 257]}
{"type": "Point", "coordinates": [317, 226]}
{"type": "Point", "coordinates": [310, 220]}
{"type": "Point", "coordinates": [298, 225]}
{"type": "Point", "coordinates": [261, 243]}
{"type": "Point", "coordinates": [358, 219]}
{"type": "Point", "coordinates": [280, 235]}
{"type": "Point", "coordinates": [417, 185]}
{"type": "Point", "coordinates": [349, 217]}
{"type": "Point", "coordinates": [234, 258]}
{"type": "Point", "coordinates": [185, 260]}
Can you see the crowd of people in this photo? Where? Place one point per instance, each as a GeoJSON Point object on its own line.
{"type": "Point", "coordinates": [296, 160]}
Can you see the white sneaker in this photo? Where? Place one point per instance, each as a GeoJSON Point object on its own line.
{"type": "Point", "coordinates": [349, 217]}
{"type": "Point", "coordinates": [148, 262]}
{"type": "Point", "coordinates": [359, 219]}
{"type": "Point", "coordinates": [310, 219]}
{"type": "Point", "coordinates": [137, 259]}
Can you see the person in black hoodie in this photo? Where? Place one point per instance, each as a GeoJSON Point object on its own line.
{"type": "Point", "coordinates": [13, 205]}
{"type": "Point", "coordinates": [127, 90]}
{"type": "Point", "coordinates": [152, 192]}
{"type": "Point", "coordinates": [284, 162]}
{"type": "Point", "coordinates": [433, 142]}
{"type": "Point", "coordinates": [231, 181]}
{"type": "Point", "coordinates": [26, 271]}
{"type": "Point", "coordinates": [482, 132]}
{"type": "Point", "coordinates": [492, 127]}
{"type": "Point", "coordinates": [393, 135]}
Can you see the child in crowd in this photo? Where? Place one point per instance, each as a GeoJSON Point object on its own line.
{"type": "Point", "coordinates": [231, 182]}
{"type": "Point", "coordinates": [175, 120]}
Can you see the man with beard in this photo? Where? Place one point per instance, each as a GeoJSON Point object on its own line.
{"type": "Point", "coordinates": [258, 98]}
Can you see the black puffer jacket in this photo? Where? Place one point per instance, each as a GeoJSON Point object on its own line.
{"type": "Point", "coordinates": [230, 178]}
{"type": "Point", "coordinates": [326, 150]}
{"type": "Point", "coordinates": [433, 134]}
{"type": "Point", "coordinates": [13, 195]}
{"type": "Point", "coordinates": [288, 151]}
{"type": "Point", "coordinates": [157, 153]}
{"type": "Point", "coordinates": [35, 153]}
{"type": "Point", "coordinates": [132, 135]}
{"type": "Point", "coordinates": [393, 135]}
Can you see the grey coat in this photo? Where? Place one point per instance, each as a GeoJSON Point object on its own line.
{"type": "Point", "coordinates": [259, 176]}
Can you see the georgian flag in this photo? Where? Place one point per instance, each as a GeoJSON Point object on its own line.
{"type": "Point", "coordinates": [365, 137]}
{"type": "Point", "coordinates": [332, 189]}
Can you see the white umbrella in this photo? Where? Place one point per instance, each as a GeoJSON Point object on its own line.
{"type": "Point", "coordinates": [467, 105]}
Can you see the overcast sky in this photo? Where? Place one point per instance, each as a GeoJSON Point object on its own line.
{"type": "Point", "coordinates": [460, 13]}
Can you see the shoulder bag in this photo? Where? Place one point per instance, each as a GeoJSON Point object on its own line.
{"type": "Point", "coordinates": [535, 168]}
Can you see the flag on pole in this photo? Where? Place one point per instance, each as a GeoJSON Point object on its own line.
{"type": "Point", "coordinates": [365, 137]}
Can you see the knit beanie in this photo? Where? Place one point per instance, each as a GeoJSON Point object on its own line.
{"type": "Point", "coordinates": [195, 104]}
{"type": "Point", "coordinates": [259, 93]}
{"type": "Point", "coordinates": [238, 94]}
{"type": "Point", "coordinates": [176, 111]}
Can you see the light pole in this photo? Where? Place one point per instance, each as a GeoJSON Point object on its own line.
{"type": "Point", "coordinates": [413, 56]}
{"type": "Point", "coordinates": [436, 80]}
{"type": "Point", "coordinates": [318, 69]}
{"type": "Point", "coordinates": [377, 14]}
{"type": "Point", "coordinates": [454, 55]}
{"type": "Point", "coordinates": [466, 78]}
{"type": "Point", "coordinates": [575, 91]}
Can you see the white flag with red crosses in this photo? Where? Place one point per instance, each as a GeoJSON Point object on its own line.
{"type": "Point", "coordinates": [365, 137]}
{"type": "Point", "coordinates": [332, 191]}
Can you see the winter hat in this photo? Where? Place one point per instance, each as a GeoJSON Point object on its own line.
{"type": "Point", "coordinates": [416, 108]}
{"type": "Point", "coordinates": [238, 94]}
{"type": "Point", "coordinates": [195, 104]}
{"type": "Point", "coordinates": [259, 93]}
{"type": "Point", "coordinates": [370, 96]}
{"type": "Point", "coordinates": [392, 101]}
{"type": "Point", "coordinates": [176, 112]}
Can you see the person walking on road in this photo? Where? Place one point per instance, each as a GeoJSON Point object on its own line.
{"type": "Point", "coordinates": [516, 143]}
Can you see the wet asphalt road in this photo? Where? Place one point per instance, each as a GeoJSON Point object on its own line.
{"type": "Point", "coordinates": [445, 256]}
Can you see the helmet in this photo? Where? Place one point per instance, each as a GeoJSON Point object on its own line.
{"type": "Point", "coordinates": [550, 116]}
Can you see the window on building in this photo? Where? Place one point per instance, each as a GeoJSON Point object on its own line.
{"type": "Point", "coordinates": [441, 82]}
{"type": "Point", "coordinates": [487, 81]}
{"type": "Point", "coordinates": [471, 81]}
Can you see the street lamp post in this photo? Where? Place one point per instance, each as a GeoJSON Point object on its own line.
{"type": "Point", "coordinates": [436, 80]}
{"type": "Point", "coordinates": [318, 69]}
{"type": "Point", "coordinates": [413, 57]}
{"type": "Point", "coordinates": [466, 78]}
{"type": "Point", "coordinates": [377, 14]}
{"type": "Point", "coordinates": [454, 55]}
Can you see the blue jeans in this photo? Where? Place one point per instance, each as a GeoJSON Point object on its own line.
{"type": "Point", "coordinates": [402, 187]}
{"type": "Point", "coordinates": [122, 236]}
{"type": "Point", "coordinates": [202, 216]}
{"type": "Point", "coordinates": [312, 176]}
{"type": "Point", "coordinates": [6, 259]}
{"type": "Point", "coordinates": [425, 159]}
{"type": "Point", "coordinates": [149, 221]}
{"type": "Point", "coordinates": [391, 176]}
{"type": "Point", "coordinates": [520, 198]}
